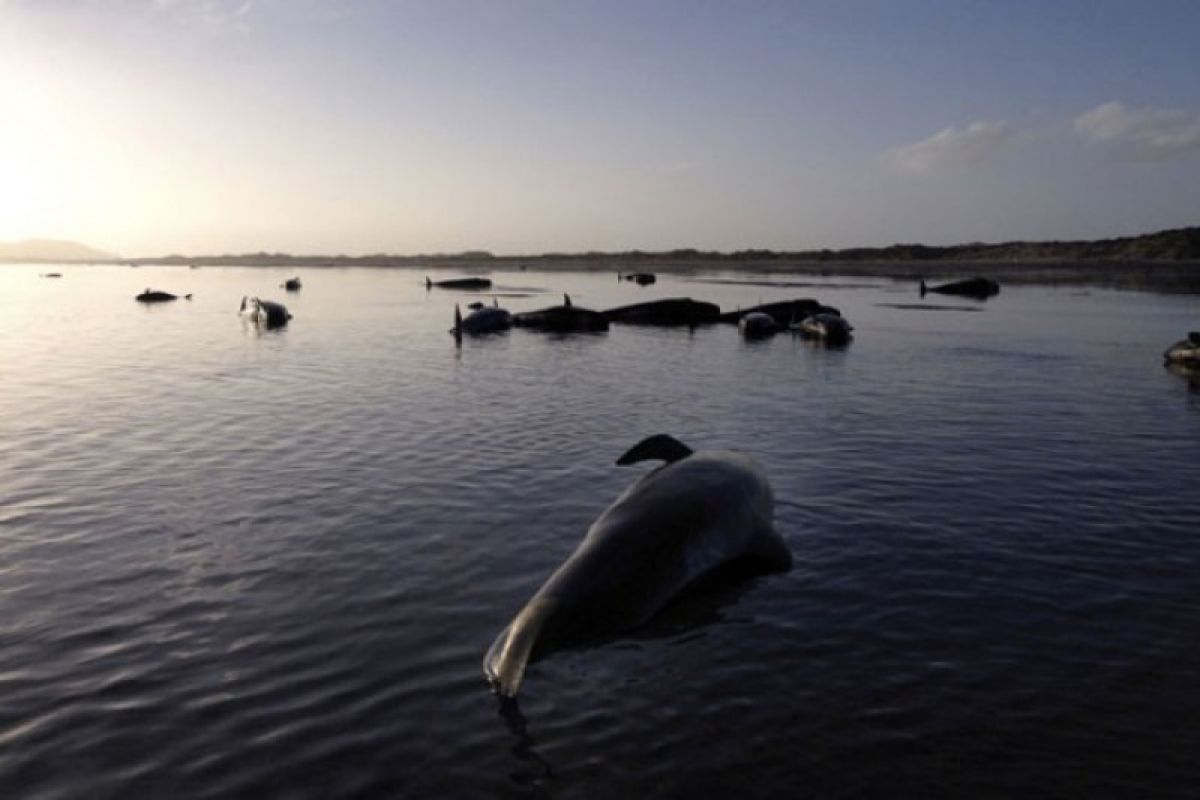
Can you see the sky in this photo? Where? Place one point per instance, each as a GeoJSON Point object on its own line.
{"type": "Point", "coordinates": [150, 127]}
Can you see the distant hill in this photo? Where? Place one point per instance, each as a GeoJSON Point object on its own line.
{"type": "Point", "coordinates": [51, 250]}
{"type": "Point", "coordinates": [1180, 244]}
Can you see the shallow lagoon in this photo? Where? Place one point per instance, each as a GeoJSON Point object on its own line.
{"type": "Point", "coordinates": [269, 563]}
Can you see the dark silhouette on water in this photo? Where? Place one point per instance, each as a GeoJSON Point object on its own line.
{"type": "Point", "coordinates": [566, 318]}
{"type": "Point", "coordinates": [640, 278]}
{"type": "Point", "coordinates": [155, 296]}
{"type": "Point", "coordinates": [291, 284]}
{"type": "Point", "coordinates": [978, 288]}
{"type": "Point", "coordinates": [784, 312]}
{"type": "Point", "coordinates": [758, 325]}
{"type": "Point", "coordinates": [671, 311]}
{"type": "Point", "coordinates": [460, 283]}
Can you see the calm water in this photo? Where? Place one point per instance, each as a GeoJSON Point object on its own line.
{"type": "Point", "coordinates": [236, 563]}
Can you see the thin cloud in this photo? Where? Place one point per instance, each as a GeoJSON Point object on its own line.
{"type": "Point", "coordinates": [228, 14]}
{"type": "Point", "coordinates": [951, 148]}
{"type": "Point", "coordinates": [1143, 133]}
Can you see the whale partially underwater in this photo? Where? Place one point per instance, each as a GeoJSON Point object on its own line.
{"type": "Point", "coordinates": [697, 512]}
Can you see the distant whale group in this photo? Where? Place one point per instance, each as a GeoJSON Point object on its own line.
{"type": "Point", "coordinates": [806, 317]}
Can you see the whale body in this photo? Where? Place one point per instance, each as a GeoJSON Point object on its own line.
{"type": "Point", "coordinates": [1185, 350]}
{"type": "Point", "coordinates": [978, 288]}
{"type": "Point", "coordinates": [155, 296]}
{"type": "Point", "coordinates": [460, 283]}
{"type": "Point", "coordinates": [758, 325]}
{"type": "Point", "coordinates": [567, 318]}
{"type": "Point", "coordinates": [829, 328]}
{"type": "Point", "coordinates": [640, 278]}
{"type": "Point", "coordinates": [482, 319]}
{"type": "Point", "coordinates": [784, 312]}
{"type": "Point", "coordinates": [670, 311]}
{"type": "Point", "coordinates": [674, 525]}
{"type": "Point", "coordinates": [264, 312]}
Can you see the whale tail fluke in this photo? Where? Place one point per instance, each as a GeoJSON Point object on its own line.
{"type": "Point", "coordinates": [506, 659]}
{"type": "Point", "coordinates": [660, 447]}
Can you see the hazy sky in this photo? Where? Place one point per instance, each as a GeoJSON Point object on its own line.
{"type": "Point", "coordinates": [154, 126]}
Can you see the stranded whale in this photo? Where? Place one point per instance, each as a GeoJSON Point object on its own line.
{"type": "Point", "coordinates": [460, 283]}
{"type": "Point", "coordinates": [978, 288]}
{"type": "Point", "coordinates": [264, 312]}
{"type": "Point", "coordinates": [482, 319]}
{"type": "Point", "coordinates": [675, 524]}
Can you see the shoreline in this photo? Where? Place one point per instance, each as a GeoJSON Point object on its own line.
{"type": "Point", "coordinates": [1177, 277]}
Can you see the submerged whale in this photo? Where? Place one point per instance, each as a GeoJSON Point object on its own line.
{"type": "Point", "coordinates": [640, 278]}
{"type": "Point", "coordinates": [978, 288]}
{"type": "Point", "coordinates": [670, 311]}
{"type": "Point", "coordinates": [567, 318]}
{"type": "Point", "coordinates": [156, 296]}
{"type": "Point", "coordinates": [1185, 351]}
{"type": "Point", "coordinates": [460, 283]}
{"type": "Point", "coordinates": [264, 312]}
{"type": "Point", "coordinates": [674, 525]}
{"type": "Point", "coordinates": [784, 312]}
{"type": "Point", "coordinates": [828, 328]}
{"type": "Point", "coordinates": [758, 325]}
{"type": "Point", "coordinates": [482, 319]}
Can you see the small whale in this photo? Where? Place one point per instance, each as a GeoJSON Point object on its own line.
{"type": "Point", "coordinates": [640, 278]}
{"type": "Point", "coordinates": [155, 296]}
{"type": "Point", "coordinates": [1185, 351]}
{"type": "Point", "coordinates": [829, 328]}
{"type": "Point", "coordinates": [758, 325]}
{"type": "Point", "coordinates": [674, 525]}
{"type": "Point", "coordinates": [264, 312]}
{"type": "Point", "coordinates": [978, 288]}
{"type": "Point", "coordinates": [51, 274]}
{"type": "Point", "coordinates": [671, 311]}
{"type": "Point", "coordinates": [291, 284]}
{"type": "Point", "coordinates": [482, 319]}
{"type": "Point", "coordinates": [460, 283]}
{"type": "Point", "coordinates": [566, 318]}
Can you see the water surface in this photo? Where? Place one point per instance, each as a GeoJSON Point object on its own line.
{"type": "Point", "coordinates": [244, 563]}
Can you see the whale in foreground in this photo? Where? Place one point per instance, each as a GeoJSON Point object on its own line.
{"type": "Point", "coordinates": [674, 525]}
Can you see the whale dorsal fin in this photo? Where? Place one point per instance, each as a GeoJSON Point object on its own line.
{"type": "Point", "coordinates": [657, 447]}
